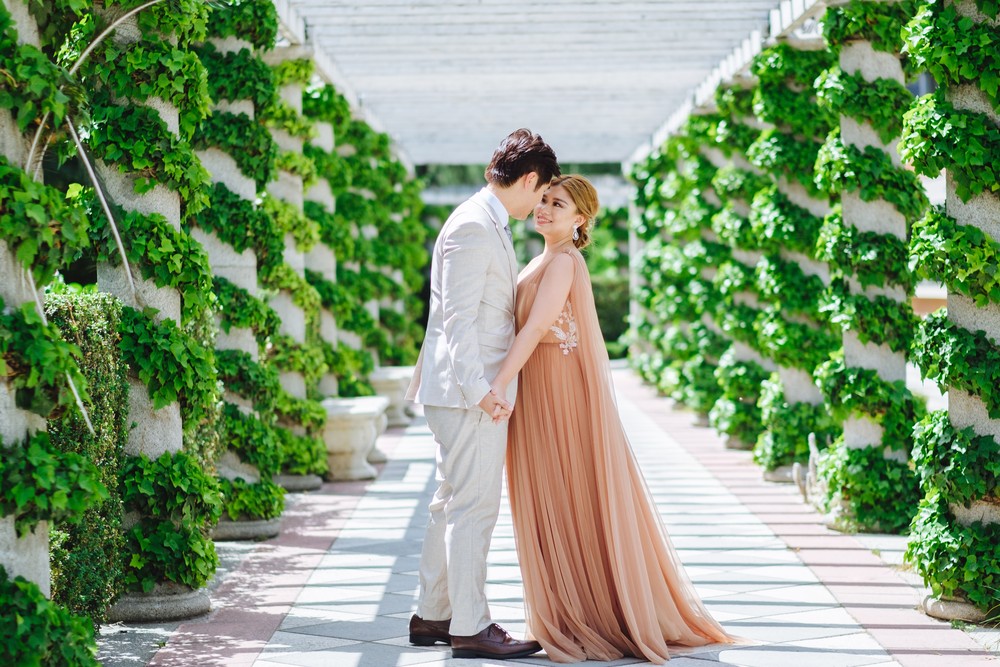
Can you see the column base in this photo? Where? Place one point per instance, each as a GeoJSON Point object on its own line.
{"type": "Point", "coordinates": [295, 483]}
{"type": "Point", "coordinates": [166, 602]}
{"type": "Point", "coordinates": [781, 475]}
{"type": "Point", "coordinates": [256, 529]}
{"type": "Point", "coordinates": [729, 442]}
{"type": "Point", "coordinates": [953, 610]}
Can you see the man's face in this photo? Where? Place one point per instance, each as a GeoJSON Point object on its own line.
{"type": "Point", "coordinates": [529, 195]}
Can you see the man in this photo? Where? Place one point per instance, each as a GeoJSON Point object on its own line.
{"type": "Point", "coordinates": [470, 327]}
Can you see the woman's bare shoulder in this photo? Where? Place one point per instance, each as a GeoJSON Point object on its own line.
{"type": "Point", "coordinates": [562, 263]}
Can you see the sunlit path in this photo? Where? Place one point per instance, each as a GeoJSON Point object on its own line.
{"type": "Point", "coordinates": [800, 594]}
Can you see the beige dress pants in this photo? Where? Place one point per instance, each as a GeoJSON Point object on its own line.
{"type": "Point", "coordinates": [463, 513]}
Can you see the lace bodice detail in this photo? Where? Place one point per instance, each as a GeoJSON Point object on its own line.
{"type": "Point", "coordinates": [564, 329]}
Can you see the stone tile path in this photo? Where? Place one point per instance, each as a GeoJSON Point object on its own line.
{"type": "Point", "coordinates": [337, 587]}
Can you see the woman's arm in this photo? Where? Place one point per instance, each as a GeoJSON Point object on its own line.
{"type": "Point", "coordinates": [553, 289]}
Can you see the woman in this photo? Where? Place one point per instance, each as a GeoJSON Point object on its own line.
{"type": "Point", "coordinates": [601, 579]}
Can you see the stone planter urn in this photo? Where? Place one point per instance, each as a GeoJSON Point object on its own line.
{"type": "Point", "coordinates": [392, 382]}
{"type": "Point", "coordinates": [352, 425]}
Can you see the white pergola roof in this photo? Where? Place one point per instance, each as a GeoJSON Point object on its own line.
{"type": "Point", "coordinates": [448, 80]}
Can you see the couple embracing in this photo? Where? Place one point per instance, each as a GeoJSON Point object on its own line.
{"type": "Point", "coordinates": [601, 579]}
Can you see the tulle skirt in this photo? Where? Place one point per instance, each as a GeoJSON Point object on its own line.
{"type": "Point", "coordinates": [601, 579]}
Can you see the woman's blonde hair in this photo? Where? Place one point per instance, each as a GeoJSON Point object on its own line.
{"type": "Point", "coordinates": [584, 197]}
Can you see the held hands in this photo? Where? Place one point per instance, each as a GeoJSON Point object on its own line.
{"type": "Point", "coordinates": [496, 406]}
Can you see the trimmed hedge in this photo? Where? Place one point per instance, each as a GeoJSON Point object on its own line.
{"type": "Point", "coordinates": [87, 568]}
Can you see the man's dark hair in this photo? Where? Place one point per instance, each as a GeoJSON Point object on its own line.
{"type": "Point", "coordinates": [522, 152]}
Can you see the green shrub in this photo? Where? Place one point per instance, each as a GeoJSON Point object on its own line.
{"type": "Point", "coordinates": [611, 297]}
{"type": "Point", "coordinates": [86, 562]}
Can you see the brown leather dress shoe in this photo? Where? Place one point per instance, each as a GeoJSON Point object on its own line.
{"type": "Point", "coordinates": [493, 642]}
{"type": "Point", "coordinates": [428, 633]}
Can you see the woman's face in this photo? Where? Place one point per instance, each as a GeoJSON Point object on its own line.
{"type": "Point", "coordinates": [556, 214]}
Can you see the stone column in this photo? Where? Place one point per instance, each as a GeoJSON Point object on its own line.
{"type": "Point", "coordinates": [288, 187]}
{"type": "Point", "coordinates": [970, 526]}
{"type": "Point", "coordinates": [392, 381]}
{"type": "Point", "coordinates": [296, 324]}
{"type": "Point", "coordinates": [742, 368]}
{"type": "Point", "coordinates": [664, 184]}
{"type": "Point", "coordinates": [240, 269]}
{"type": "Point", "coordinates": [321, 259]}
{"type": "Point", "coordinates": [352, 424]}
{"type": "Point", "coordinates": [27, 556]}
{"type": "Point", "coordinates": [867, 356]}
{"type": "Point", "coordinates": [792, 405]}
{"type": "Point", "coordinates": [156, 430]}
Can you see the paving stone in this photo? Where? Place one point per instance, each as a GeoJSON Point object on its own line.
{"type": "Point", "coordinates": [798, 593]}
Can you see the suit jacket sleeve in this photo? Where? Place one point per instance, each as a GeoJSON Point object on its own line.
{"type": "Point", "coordinates": [465, 255]}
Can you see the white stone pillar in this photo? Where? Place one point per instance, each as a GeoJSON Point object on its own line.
{"type": "Point", "coordinates": [27, 556]}
{"type": "Point", "coordinates": [288, 187]}
{"type": "Point", "coordinates": [860, 430]}
{"type": "Point", "coordinates": [239, 268]}
{"type": "Point", "coordinates": [321, 258]}
{"type": "Point", "coordinates": [155, 431]}
{"type": "Point", "coordinates": [966, 409]}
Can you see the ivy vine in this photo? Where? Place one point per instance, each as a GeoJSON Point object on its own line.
{"type": "Point", "coordinates": [244, 376]}
{"type": "Point", "coordinates": [240, 309]}
{"type": "Point", "coordinates": [794, 344]}
{"type": "Point", "coordinates": [38, 632]}
{"type": "Point", "coordinates": [237, 75]}
{"type": "Point", "coordinates": [260, 501]}
{"type": "Point", "coordinates": [880, 320]}
{"type": "Point", "coordinates": [963, 257]}
{"type": "Point", "coordinates": [870, 172]}
{"type": "Point", "coordinates": [952, 356]}
{"type": "Point", "coordinates": [252, 438]}
{"type": "Point", "coordinates": [955, 49]}
{"type": "Point", "coordinates": [874, 259]}
{"type": "Point", "coordinates": [246, 141]}
{"type": "Point", "coordinates": [880, 103]}
{"type": "Point", "coordinates": [879, 492]}
{"type": "Point", "coordinates": [880, 24]}
{"type": "Point", "coordinates": [854, 390]}
{"type": "Point", "coordinates": [137, 140]}
{"type": "Point", "coordinates": [154, 67]}
{"type": "Point", "coordinates": [253, 20]}
{"type": "Point", "coordinates": [786, 427]}
{"type": "Point", "coordinates": [938, 136]}
{"type": "Point", "coordinates": [238, 223]}
{"type": "Point", "coordinates": [789, 289]}
{"type": "Point", "coordinates": [956, 561]}
{"type": "Point", "coordinates": [783, 155]}
{"type": "Point", "coordinates": [294, 70]}
{"type": "Point", "coordinates": [961, 464]}
{"type": "Point", "coordinates": [777, 222]}
{"type": "Point", "coordinates": [173, 365]}
{"type": "Point", "coordinates": [43, 229]}
{"type": "Point", "coordinates": [166, 255]}
{"type": "Point", "coordinates": [36, 361]}
{"type": "Point", "coordinates": [38, 482]}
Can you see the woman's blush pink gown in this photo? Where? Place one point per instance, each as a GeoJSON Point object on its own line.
{"type": "Point", "coordinates": [601, 578]}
